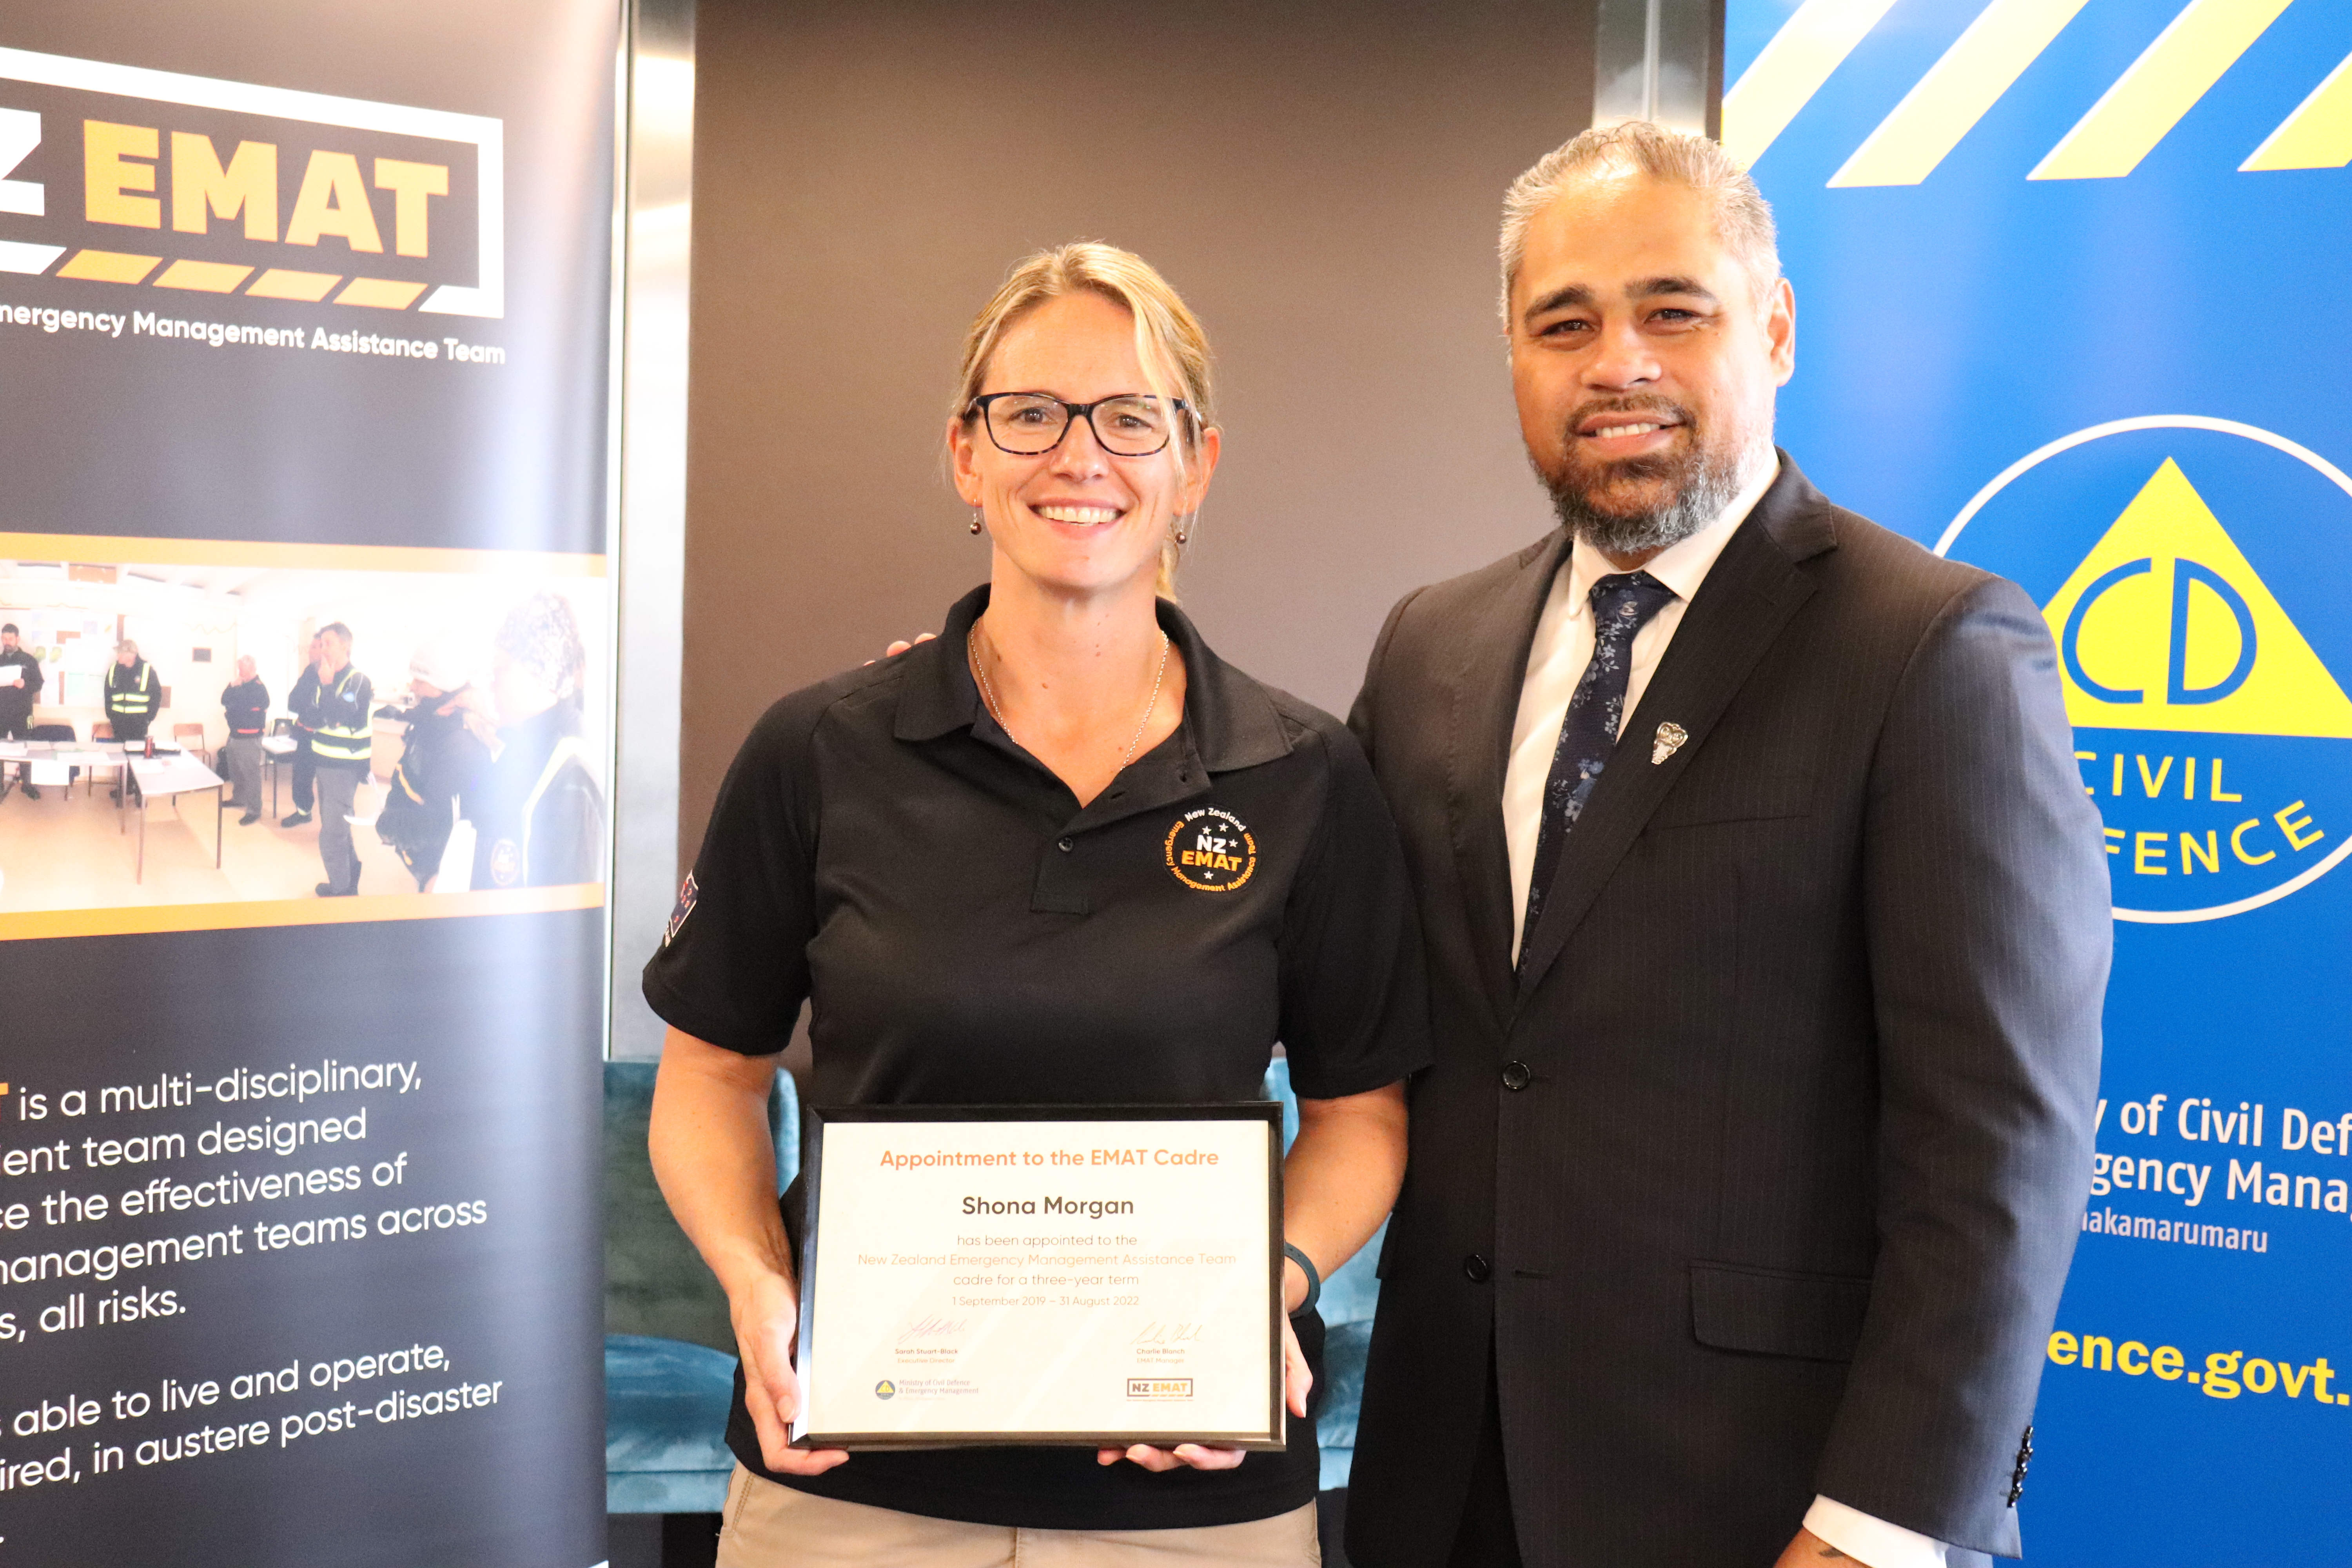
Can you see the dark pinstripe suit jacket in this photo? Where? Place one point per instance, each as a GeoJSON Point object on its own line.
{"type": "Point", "coordinates": [1811, 1026]}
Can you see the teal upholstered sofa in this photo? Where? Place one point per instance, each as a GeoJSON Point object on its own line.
{"type": "Point", "coordinates": [669, 1350]}
{"type": "Point", "coordinates": [670, 1363]}
{"type": "Point", "coordinates": [1348, 1297]}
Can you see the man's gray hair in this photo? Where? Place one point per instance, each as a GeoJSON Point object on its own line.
{"type": "Point", "coordinates": [1743, 217]}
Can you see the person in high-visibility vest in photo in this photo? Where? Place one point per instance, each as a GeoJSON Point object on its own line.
{"type": "Point", "coordinates": [304, 702]}
{"type": "Point", "coordinates": [537, 811]}
{"type": "Point", "coordinates": [341, 743]}
{"type": "Point", "coordinates": [134, 697]}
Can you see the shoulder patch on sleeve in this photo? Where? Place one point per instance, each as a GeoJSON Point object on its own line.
{"type": "Point", "coordinates": [687, 892]}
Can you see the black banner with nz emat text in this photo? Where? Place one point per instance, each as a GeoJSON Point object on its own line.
{"type": "Point", "coordinates": [305, 720]}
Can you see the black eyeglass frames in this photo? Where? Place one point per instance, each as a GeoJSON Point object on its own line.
{"type": "Point", "coordinates": [1030, 423]}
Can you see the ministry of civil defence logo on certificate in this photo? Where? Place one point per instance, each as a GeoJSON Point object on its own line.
{"type": "Point", "coordinates": [2185, 566]}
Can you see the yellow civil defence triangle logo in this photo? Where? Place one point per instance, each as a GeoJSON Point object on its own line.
{"type": "Point", "coordinates": [2165, 626]}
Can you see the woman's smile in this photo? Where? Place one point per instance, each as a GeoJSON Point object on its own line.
{"type": "Point", "coordinates": [1077, 512]}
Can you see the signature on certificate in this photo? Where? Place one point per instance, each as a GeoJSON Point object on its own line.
{"type": "Point", "coordinates": [933, 1328]}
{"type": "Point", "coordinates": [1166, 1333]}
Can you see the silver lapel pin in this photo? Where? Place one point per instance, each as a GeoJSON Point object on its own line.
{"type": "Point", "coordinates": [1671, 737]}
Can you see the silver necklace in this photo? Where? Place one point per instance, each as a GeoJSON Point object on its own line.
{"type": "Point", "coordinates": [996, 710]}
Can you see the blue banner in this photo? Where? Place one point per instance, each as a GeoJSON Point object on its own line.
{"type": "Point", "coordinates": [2070, 279]}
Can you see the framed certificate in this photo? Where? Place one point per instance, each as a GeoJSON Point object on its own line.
{"type": "Point", "coordinates": [1070, 1275]}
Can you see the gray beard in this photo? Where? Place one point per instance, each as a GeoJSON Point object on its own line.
{"type": "Point", "coordinates": [1706, 482]}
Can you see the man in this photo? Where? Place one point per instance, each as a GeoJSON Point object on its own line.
{"type": "Point", "coordinates": [20, 685]}
{"type": "Point", "coordinates": [133, 696]}
{"type": "Point", "coordinates": [246, 701]}
{"type": "Point", "coordinates": [1767, 1018]}
{"type": "Point", "coordinates": [303, 702]}
{"type": "Point", "coordinates": [341, 745]}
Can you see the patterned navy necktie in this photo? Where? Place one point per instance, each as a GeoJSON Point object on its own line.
{"type": "Point", "coordinates": [1622, 603]}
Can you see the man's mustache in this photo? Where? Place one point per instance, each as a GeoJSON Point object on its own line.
{"type": "Point", "coordinates": [1665, 410]}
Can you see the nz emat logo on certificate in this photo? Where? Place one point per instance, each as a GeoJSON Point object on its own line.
{"type": "Point", "coordinates": [115, 177]}
{"type": "Point", "coordinates": [1159, 1388]}
{"type": "Point", "coordinates": [2169, 556]}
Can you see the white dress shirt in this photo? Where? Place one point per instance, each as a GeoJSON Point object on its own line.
{"type": "Point", "coordinates": [1563, 647]}
{"type": "Point", "coordinates": [1556, 661]}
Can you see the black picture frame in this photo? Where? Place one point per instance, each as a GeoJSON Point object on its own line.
{"type": "Point", "coordinates": [1273, 1439]}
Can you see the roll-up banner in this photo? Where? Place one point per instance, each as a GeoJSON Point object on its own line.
{"type": "Point", "coordinates": [304, 723]}
{"type": "Point", "coordinates": [2069, 281]}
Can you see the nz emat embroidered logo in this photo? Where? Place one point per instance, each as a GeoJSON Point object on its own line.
{"type": "Point", "coordinates": [687, 894]}
{"type": "Point", "coordinates": [1210, 850]}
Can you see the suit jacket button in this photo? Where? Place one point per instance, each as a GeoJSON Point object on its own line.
{"type": "Point", "coordinates": [1476, 1270]}
{"type": "Point", "coordinates": [1516, 1076]}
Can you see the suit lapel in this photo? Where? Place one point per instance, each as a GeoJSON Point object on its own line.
{"type": "Point", "coordinates": [1486, 707]}
{"type": "Point", "coordinates": [1748, 595]}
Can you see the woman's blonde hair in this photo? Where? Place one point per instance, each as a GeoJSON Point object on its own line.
{"type": "Point", "coordinates": [1168, 341]}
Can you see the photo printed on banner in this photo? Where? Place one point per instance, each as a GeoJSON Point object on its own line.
{"type": "Point", "coordinates": [475, 734]}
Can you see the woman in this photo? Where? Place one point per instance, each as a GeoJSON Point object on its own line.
{"type": "Point", "coordinates": [537, 816]}
{"type": "Point", "coordinates": [965, 859]}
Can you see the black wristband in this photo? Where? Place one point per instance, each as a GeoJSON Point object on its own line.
{"type": "Point", "coordinates": [1314, 1280]}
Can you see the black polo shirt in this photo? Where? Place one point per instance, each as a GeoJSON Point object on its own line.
{"type": "Point", "coordinates": [967, 934]}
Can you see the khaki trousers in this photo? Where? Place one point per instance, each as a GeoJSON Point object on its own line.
{"type": "Point", "coordinates": [772, 1526]}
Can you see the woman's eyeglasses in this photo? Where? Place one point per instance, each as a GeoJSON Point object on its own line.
{"type": "Point", "coordinates": [1030, 423]}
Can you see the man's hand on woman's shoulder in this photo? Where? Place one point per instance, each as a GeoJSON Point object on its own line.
{"type": "Point", "coordinates": [895, 649]}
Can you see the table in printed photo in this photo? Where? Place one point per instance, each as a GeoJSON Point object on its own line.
{"type": "Point", "coordinates": [51, 764]}
{"type": "Point", "coordinates": [174, 776]}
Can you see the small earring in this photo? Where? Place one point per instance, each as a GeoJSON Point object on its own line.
{"type": "Point", "coordinates": [1183, 531]}
{"type": "Point", "coordinates": [975, 520]}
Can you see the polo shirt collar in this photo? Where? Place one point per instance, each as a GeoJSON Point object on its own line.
{"type": "Point", "coordinates": [1230, 721]}
{"type": "Point", "coordinates": [938, 693]}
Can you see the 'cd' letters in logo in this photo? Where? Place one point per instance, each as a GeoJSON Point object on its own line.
{"type": "Point", "coordinates": [2210, 726]}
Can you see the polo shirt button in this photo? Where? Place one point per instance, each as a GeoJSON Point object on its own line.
{"type": "Point", "coordinates": [1066, 844]}
{"type": "Point", "coordinates": [1516, 1076]}
{"type": "Point", "coordinates": [1476, 1270]}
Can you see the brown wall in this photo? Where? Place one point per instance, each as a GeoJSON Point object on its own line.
{"type": "Point", "coordinates": [1323, 190]}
